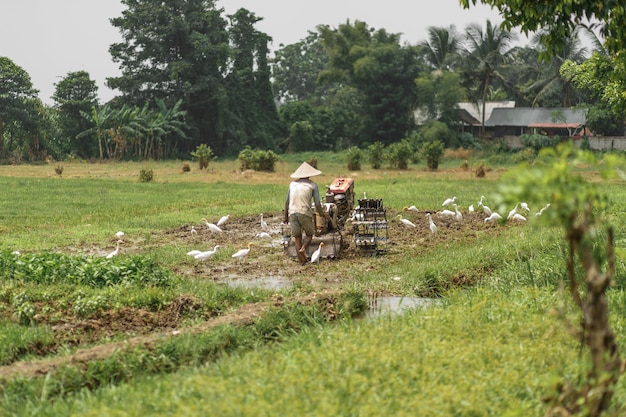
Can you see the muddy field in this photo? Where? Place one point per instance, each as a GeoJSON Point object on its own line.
{"type": "Point", "coordinates": [267, 266]}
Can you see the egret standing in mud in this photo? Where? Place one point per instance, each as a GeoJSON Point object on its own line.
{"type": "Point", "coordinates": [242, 253]}
{"type": "Point", "coordinates": [316, 255]}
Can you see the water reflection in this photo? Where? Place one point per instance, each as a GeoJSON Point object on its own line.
{"type": "Point", "coordinates": [389, 306]}
{"type": "Point", "coordinates": [268, 283]}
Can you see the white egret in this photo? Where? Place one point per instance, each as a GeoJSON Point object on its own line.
{"type": "Point", "coordinates": [471, 208]}
{"type": "Point", "coordinates": [316, 255]}
{"type": "Point", "coordinates": [406, 222]}
{"type": "Point", "coordinates": [193, 231]}
{"type": "Point", "coordinates": [482, 198]}
{"type": "Point", "coordinates": [512, 212]}
{"type": "Point", "coordinates": [242, 253]}
{"type": "Point", "coordinates": [16, 252]}
{"type": "Point", "coordinates": [457, 213]}
{"type": "Point", "coordinates": [264, 225]}
{"type": "Point", "coordinates": [433, 227]}
{"type": "Point", "coordinates": [116, 251]}
{"type": "Point", "coordinates": [486, 210]}
{"type": "Point", "coordinates": [263, 235]}
{"type": "Point", "coordinates": [524, 206]}
{"type": "Point", "coordinates": [518, 217]}
{"type": "Point", "coordinates": [540, 212]}
{"type": "Point", "coordinates": [411, 208]}
{"type": "Point", "coordinates": [447, 213]}
{"type": "Point", "coordinates": [223, 220]}
{"type": "Point", "coordinates": [493, 216]}
{"type": "Point", "coordinates": [193, 252]}
{"type": "Point", "coordinates": [212, 227]}
{"type": "Point", "coordinates": [448, 201]}
{"type": "Point", "coordinates": [119, 235]}
{"type": "Point", "coordinates": [203, 256]}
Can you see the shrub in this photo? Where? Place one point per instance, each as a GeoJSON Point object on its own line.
{"type": "Point", "coordinates": [432, 151]}
{"type": "Point", "coordinates": [538, 142]}
{"type": "Point", "coordinates": [524, 155]}
{"type": "Point", "coordinates": [257, 160]}
{"type": "Point", "coordinates": [186, 167]}
{"type": "Point", "coordinates": [203, 154]}
{"type": "Point", "coordinates": [146, 175]}
{"type": "Point", "coordinates": [376, 154]}
{"type": "Point", "coordinates": [353, 158]}
{"type": "Point", "coordinates": [398, 154]}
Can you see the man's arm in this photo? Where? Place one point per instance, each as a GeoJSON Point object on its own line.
{"type": "Point", "coordinates": [316, 201]}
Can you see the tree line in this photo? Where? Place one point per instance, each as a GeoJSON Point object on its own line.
{"type": "Point", "coordinates": [191, 75]}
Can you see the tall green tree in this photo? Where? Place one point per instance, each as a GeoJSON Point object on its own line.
{"type": "Point", "coordinates": [438, 95]}
{"type": "Point", "coordinates": [441, 49]}
{"type": "Point", "coordinates": [18, 100]}
{"type": "Point", "coordinates": [252, 116]}
{"type": "Point", "coordinates": [488, 50]}
{"type": "Point", "coordinates": [381, 70]}
{"type": "Point", "coordinates": [296, 68]}
{"type": "Point", "coordinates": [550, 84]}
{"type": "Point", "coordinates": [74, 94]}
{"type": "Point", "coordinates": [175, 50]}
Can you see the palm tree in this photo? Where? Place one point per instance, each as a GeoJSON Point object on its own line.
{"type": "Point", "coordinates": [486, 53]}
{"type": "Point", "coordinates": [442, 47]}
{"type": "Point", "coordinates": [550, 81]}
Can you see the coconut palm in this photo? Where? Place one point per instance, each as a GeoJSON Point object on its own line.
{"type": "Point", "coordinates": [487, 52]}
{"type": "Point", "coordinates": [549, 82]}
{"type": "Point", "coordinates": [441, 50]}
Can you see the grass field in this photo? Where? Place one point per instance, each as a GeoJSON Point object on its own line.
{"type": "Point", "coordinates": [154, 332]}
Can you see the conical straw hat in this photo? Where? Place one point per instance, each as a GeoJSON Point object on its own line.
{"type": "Point", "coordinates": [305, 171]}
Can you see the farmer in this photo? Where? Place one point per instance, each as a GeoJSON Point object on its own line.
{"type": "Point", "coordinates": [298, 212]}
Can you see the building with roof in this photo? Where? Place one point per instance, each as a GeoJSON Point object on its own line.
{"type": "Point", "coordinates": [561, 121]}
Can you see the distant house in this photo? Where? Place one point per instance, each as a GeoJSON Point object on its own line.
{"type": "Point", "coordinates": [518, 121]}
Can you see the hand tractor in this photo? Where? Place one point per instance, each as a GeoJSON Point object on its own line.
{"type": "Point", "coordinates": [366, 224]}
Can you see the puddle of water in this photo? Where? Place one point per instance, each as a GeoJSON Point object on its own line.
{"type": "Point", "coordinates": [389, 306]}
{"type": "Point", "coordinates": [268, 283]}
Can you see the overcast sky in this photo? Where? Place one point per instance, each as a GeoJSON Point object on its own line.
{"type": "Point", "coordinates": [49, 39]}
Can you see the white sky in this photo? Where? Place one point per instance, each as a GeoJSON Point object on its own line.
{"type": "Point", "coordinates": [50, 38]}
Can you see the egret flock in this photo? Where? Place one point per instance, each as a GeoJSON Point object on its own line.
{"type": "Point", "coordinates": [451, 211]}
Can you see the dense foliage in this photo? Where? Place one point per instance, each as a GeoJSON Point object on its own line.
{"type": "Point", "coordinates": [191, 75]}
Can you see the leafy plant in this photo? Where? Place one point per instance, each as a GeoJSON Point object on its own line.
{"type": "Point", "coordinates": [146, 175]}
{"type": "Point", "coordinates": [538, 142]}
{"type": "Point", "coordinates": [203, 154]}
{"type": "Point", "coordinates": [399, 154]}
{"type": "Point", "coordinates": [376, 154]}
{"type": "Point", "coordinates": [257, 160]}
{"type": "Point", "coordinates": [353, 158]}
{"type": "Point", "coordinates": [577, 206]}
{"type": "Point", "coordinates": [432, 151]}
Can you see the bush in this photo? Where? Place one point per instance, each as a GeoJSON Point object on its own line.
{"type": "Point", "coordinates": [398, 154]}
{"type": "Point", "coordinates": [432, 151]}
{"type": "Point", "coordinates": [257, 160]}
{"type": "Point", "coordinates": [186, 167]}
{"type": "Point", "coordinates": [376, 154]}
{"type": "Point", "coordinates": [203, 154]}
{"type": "Point", "coordinates": [524, 155]}
{"type": "Point", "coordinates": [353, 158]}
{"type": "Point", "coordinates": [538, 142]}
{"type": "Point", "coordinates": [146, 175]}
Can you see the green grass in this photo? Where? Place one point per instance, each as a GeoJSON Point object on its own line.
{"type": "Point", "coordinates": [492, 348]}
{"type": "Point", "coordinates": [462, 358]}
